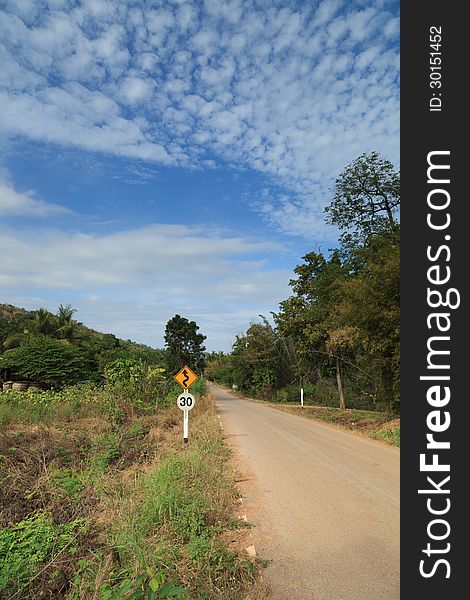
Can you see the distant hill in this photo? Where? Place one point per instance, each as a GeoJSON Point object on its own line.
{"type": "Point", "coordinates": [16, 320]}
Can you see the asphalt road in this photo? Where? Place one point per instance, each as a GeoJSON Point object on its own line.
{"type": "Point", "coordinates": [325, 503]}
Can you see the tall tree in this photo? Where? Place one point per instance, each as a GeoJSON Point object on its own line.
{"type": "Point", "coordinates": [255, 359]}
{"type": "Point", "coordinates": [309, 317]}
{"type": "Point", "coordinates": [370, 311]}
{"type": "Point", "coordinates": [309, 313]}
{"type": "Point", "coordinates": [366, 199]}
{"type": "Point", "coordinates": [183, 345]}
{"type": "Point", "coordinates": [66, 326]}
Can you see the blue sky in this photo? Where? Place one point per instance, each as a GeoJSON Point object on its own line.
{"type": "Point", "coordinates": [176, 157]}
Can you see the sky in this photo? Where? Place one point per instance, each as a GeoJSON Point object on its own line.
{"type": "Point", "coordinates": [175, 157]}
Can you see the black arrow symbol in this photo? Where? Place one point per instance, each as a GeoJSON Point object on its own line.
{"type": "Point", "coordinates": [186, 378]}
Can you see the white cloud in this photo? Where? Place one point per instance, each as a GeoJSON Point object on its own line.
{"type": "Point", "coordinates": [24, 204]}
{"type": "Point", "coordinates": [132, 282]}
{"type": "Point", "coordinates": [295, 92]}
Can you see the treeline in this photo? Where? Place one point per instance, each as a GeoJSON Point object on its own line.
{"type": "Point", "coordinates": [57, 350]}
{"type": "Point", "coordinates": [337, 335]}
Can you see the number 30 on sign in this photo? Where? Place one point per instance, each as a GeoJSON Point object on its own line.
{"type": "Point", "coordinates": [185, 401]}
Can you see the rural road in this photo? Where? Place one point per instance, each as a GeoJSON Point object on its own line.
{"type": "Point", "coordinates": [325, 503]}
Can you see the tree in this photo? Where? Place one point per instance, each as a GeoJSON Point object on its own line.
{"type": "Point", "coordinates": [255, 359]}
{"type": "Point", "coordinates": [60, 326]}
{"type": "Point", "coordinates": [47, 360]}
{"type": "Point", "coordinates": [309, 314]}
{"type": "Point", "coordinates": [370, 309]}
{"type": "Point", "coordinates": [41, 324]}
{"type": "Point", "coordinates": [65, 325]}
{"type": "Point", "coordinates": [183, 345]}
{"type": "Point", "coordinates": [366, 199]}
{"type": "Point", "coordinates": [309, 318]}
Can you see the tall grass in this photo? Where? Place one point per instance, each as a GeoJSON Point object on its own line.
{"type": "Point", "coordinates": [177, 513]}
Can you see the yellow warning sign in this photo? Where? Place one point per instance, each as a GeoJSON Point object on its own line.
{"type": "Point", "coordinates": [185, 377]}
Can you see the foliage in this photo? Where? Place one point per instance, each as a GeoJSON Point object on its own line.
{"type": "Point", "coordinates": [366, 197]}
{"type": "Point", "coordinates": [45, 359]}
{"type": "Point", "coordinates": [18, 327]}
{"type": "Point", "coordinates": [256, 368]}
{"type": "Point", "coordinates": [390, 435]}
{"type": "Point", "coordinates": [155, 508]}
{"type": "Point", "coordinates": [147, 586]}
{"type": "Point", "coordinates": [183, 345]}
{"type": "Point", "coordinates": [12, 320]}
{"type": "Point", "coordinates": [25, 547]}
{"type": "Point", "coordinates": [59, 326]}
{"type": "Point", "coordinates": [219, 368]}
{"type": "Point", "coordinates": [183, 506]}
{"type": "Point", "coordinates": [340, 326]}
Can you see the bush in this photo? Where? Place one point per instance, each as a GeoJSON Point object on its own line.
{"type": "Point", "coordinates": [25, 547]}
{"type": "Point", "coordinates": [50, 361]}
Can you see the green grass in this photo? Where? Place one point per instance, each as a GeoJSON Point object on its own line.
{"type": "Point", "coordinates": [174, 526]}
{"type": "Point", "coordinates": [103, 500]}
{"type": "Point", "coordinates": [388, 435]}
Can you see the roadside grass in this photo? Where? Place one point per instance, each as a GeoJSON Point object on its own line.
{"type": "Point", "coordinates": [102, 501]}
{"type": "Point", "coordinates": [380, 426]}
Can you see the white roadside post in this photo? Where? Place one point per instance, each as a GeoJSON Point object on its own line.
{"type": "Point", "coordinates": [186, 426]}
{"type": "Point", "coordinates": [302, 397]}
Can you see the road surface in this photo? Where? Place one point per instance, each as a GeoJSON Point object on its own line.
{"type": "Point", "coordinates": [324, 502]}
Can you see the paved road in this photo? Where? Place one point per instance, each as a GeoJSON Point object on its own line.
{"type": "Point", "coordinates": [325, 503]}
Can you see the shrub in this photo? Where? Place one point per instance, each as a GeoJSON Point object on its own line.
{"type": "Point", "coordinates": [24, 548]}
{"type": "Point", "coordinates": [47, 360]}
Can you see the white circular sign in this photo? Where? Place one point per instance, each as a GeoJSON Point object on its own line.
{"type": "Point", "coordinates": [186, 401]}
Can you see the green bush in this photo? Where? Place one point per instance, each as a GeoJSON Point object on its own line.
{"type": "Point", "coordinates": [26, 546]}
{"type": "Point", "coordinates": [148, 586]}
{"type": "Point", "coordinates": [47, 360]}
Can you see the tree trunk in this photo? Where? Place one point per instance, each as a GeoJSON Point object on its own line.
{"type": "Point", "coordinates": [339, 380]}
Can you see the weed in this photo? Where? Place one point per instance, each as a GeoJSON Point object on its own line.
{"type": "Point", "coordinates": [137, 431]}
{"type": "Point", "coordinates": [391, 435]}
{"type": "Point", "coordinates": [148, 586]}
{"type": "Point", "coordinates": [26, 546]}
{"type": "Point", "coordinates": [105, 451]}
{"type": "Point", "coordinates": [67, 482]}
{"type": "Point", "coordinates": [153, 533]}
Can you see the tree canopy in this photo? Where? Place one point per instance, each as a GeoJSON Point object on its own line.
{"type": "Point", "coordinates": [366, 199]}
{"type": "Point", "coordinates": [47, 360]}
{"type": "Point", "coordinates": [340, 325]}
{"type": "Point", "coordinates": [183, 345]}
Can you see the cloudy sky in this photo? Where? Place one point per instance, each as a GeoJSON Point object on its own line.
{"type": "Point", "coordinates": [176, 156]}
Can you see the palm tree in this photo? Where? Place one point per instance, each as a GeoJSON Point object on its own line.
{"type": "Point", "coordinates": [42, 323]}
{"type": "Point", "coordinates": [60, 326]}
{"type": "Point", "coordinates": [65, 326]}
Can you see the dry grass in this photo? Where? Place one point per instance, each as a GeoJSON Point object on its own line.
{"type": "Point", "coordinates": [116, 475]}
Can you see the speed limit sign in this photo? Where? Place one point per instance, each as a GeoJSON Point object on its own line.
{"type": "Point", "coordinates": [185, 401]}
